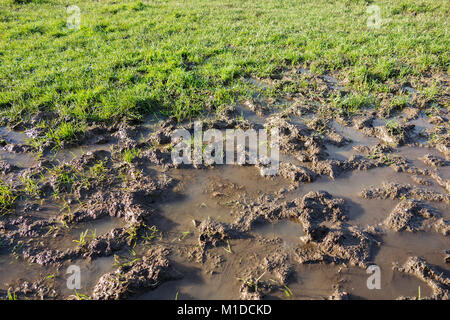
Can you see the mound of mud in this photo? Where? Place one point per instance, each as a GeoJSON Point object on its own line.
{"type": "Point", "coordinates": [413, 215]}
{"type": "Point", "coordinates": [128, 280]}
{"type": "Point", "coordinates": [399, 191]}
{"type": "Point", "coordinates": [339, 244]}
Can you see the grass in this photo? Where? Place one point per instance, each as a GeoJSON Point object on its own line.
{"type": "Point", "coordinates": [129, 154]}
{"type": "Point", "coordinates": [151, 234]}
{"type": "Point", "coordinates": [7, 198]}
{"type": "Point", "coordinates": [393, 127]}
{"type": "Point", "coordinates": [64, 132]}
{"type": "Point", "coordinates": [120, 262]}
{"type": "Point", "coordinates": [133, 236]}
{"type": "Point", "coordinates": [98, 171]}
{"type": "Point", "coordinates": [228, 248]}
{"type": "Point", "coordinates": [11, 296]}
{"type": "Point", "coordinates": [351, 103]}
{"type": "Point", "coordinates": [287, 291]}
{"type": "Point", "coordinates": [186, 58]}
{"type": "Point", "coordinates": [80, 296]}
{"type": "Point", "coordinates": [84, 236]}
{"type": "Point", "coordinates": [30, 187]}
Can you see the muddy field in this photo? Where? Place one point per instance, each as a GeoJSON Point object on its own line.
{"type": "Point", "coordinates": [352, 191]}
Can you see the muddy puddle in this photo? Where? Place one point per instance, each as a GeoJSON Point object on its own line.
{"type": "Point", "coordinates": [348, 195]}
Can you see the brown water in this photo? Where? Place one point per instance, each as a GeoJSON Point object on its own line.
{"type": "Point", "coordinates": [307, 281]}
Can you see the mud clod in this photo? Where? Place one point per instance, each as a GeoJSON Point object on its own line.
{"type": "Point", "coordinates": [399, 191]}
{"type": "Point", "coordinates": [434, 161]}
{"type": "Point", "coordinates": [128, 280]}
{"type": "Point", "coordinates": [296, 173]}
{"type": "Point", "coordinates": [211, 233]}
{"type": "Point", "coordinates": [413, 215]}
{"type": "Point", "coordinates": [339, 244]}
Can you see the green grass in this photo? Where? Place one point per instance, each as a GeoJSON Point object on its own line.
{"type": "Point", "coordinates": [351, 103]}
{"type": "Point", "coordinates": [84, 237]}
{"type": "Point", "coordinates": [393, 127]}
{"type": "Point", "coordinates": [30, 187]}
{"type": "Point", "coordinates": [129, 154]}
{"type": "Point", "coordinates": [185, 58]}
{"type": "Point", "coordinates": [7, 198]}
{"type": "Point", "coordinates": [64, 132]}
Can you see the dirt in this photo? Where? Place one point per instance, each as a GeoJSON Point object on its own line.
{"type": "Point", "coordinates": [351, 191]}
{"type": "Point", "coordinates": [139, 275]}
{"type": "Point", "coordinates": [400, 191]}
{"type": "Point", "coordinates": [413, 215]}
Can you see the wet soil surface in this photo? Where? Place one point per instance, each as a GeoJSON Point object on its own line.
{"type": "Point", "coordinates": [351, 192]}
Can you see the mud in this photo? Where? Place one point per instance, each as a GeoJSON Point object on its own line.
{"type": "Point", "coordinates": [129, 279]}
{"type": "Point", "coordinates": [413, 215]}
{"type": "Point", "coordinates": [437, 279]}
{"type": "Point", "coordinates": [352, 190]}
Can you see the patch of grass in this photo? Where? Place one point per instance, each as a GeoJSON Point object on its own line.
{"type": "Point", "coordinates": [132, 58]}
{"type": "Point", "coordinates": [228, 248]}
{"type": "Point", "coordinates": [31, 187]}
{"type": "Point", "coordinates": [399, 102]}
{"type": "Point", "coordinates": [132, 232]}
{"type": "Point", "coordinates": [129, 154]}
{"type": "Point", "coordinates": [287, 291]}
{"type": "Point", "coordinates": [11, 295]}
{"type": "Point", "coordinates": [98, 171]}
{"type": "Point", "coordinates": [84, 236]}
{"type": "Point", "coordinates": [7, 198]}
{"type": "Point", "coordinates": [123, 262]}
{"type": "Point", "coordinates": [151, 233]}
{"type": "Point", "coordinates": [393, 127]}
{"type": "Point", "coordinates": [64, 177]}
{"type": "Point", "coordinates": [66, 132]}
{"type": "Point", "coordinates": [352, 103]}
{"type": "Point", "coordinates": [80, 296]}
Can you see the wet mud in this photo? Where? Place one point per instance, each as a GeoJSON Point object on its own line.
{"type": "Point", "coordinates": [351, 191]}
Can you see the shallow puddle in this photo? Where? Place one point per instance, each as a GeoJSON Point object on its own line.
{"type": "Point", "coordinates": [288, 231]}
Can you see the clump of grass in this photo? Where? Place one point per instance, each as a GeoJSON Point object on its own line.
{"type": "Point", "coordinates": [352, 103]}
{"type": "Point", "coordinates": [84, 236]}
{"type": "Point", "coordinates": [431, 92]}
{"type": "Point", "coordinates": [11, 295]}
{"type": "Point", "coordinates": [394, 127]}
{"type": "Point", "coordinates": [31, 187]}
{"type": "Point", "coordinates": [287, 291]}
{"type": "Point", "coordinates": [228, 248]}
{"type": "Point", "coordinates": [123, 262]}
{"type": "Point", "coordinates": [129, 154]}
{"type": "Point", "coordinates": [399, 102]}
{"type": "Point", "coordinates": [64, 178]}
{"type": "Point", "coordinates": [80, 296]}
{"type": "Point", "coordinates": [65, 132]}
{"type": "Point", "coordinates": [7, 198]}
{"type": "Point", "coordinates": [132, 232]}
{"type": "Point", "coordinates": [151, 234]}
{"type": "Point", "coordinates": [98, 171]}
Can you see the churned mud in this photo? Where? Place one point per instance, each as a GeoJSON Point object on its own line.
{"type": "Point", "coordinates": [351, 191]}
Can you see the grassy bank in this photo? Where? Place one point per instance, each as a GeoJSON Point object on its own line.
{"type": "Point", "coordinates": [183, 58]}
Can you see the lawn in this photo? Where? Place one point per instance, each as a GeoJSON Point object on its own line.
{"type": "Point", "coordinates": [187, 58]}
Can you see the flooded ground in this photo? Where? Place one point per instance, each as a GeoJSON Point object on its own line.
{"type": "Point", "coordinates": [348, 196]}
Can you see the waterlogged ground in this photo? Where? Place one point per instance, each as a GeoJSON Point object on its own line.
{"type": "Point", "coordinates": [353, 190]}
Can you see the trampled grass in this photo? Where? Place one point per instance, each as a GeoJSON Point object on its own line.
{"type": "Point", "coordinates": [184, 58]}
